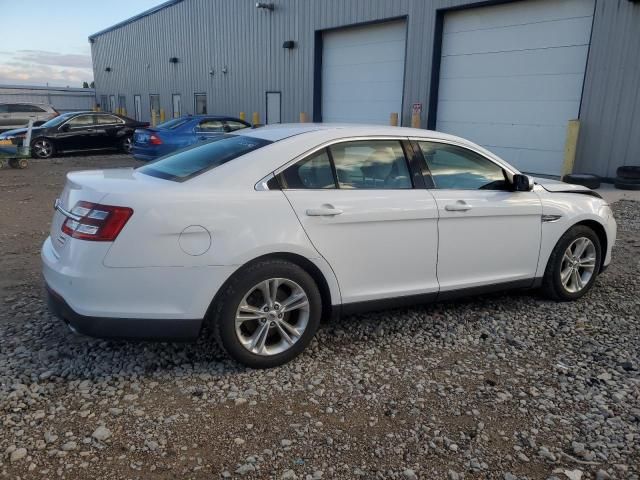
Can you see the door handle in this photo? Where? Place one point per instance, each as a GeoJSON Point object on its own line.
{"type": "Point", "coordinates": [459, 206]}
{"type": "Point", "coordinates": [327, 211]}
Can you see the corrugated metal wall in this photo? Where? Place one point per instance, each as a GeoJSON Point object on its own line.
{"type": "Point", "coordinates": [233, 34]}
{"type": "Point", "coordinates": [62, 99]}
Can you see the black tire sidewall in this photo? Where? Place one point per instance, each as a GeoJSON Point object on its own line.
{"type": "Point", "coordinates": [558, 254]}
{"type": "Point", "coordinates": [123, 144]}
{"type": "Point", "coordinates": [234, 291]}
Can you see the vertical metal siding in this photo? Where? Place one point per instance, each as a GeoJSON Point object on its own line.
{"type": "Point", "coordinates": [207, 34]}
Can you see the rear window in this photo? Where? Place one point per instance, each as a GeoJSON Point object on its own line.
{"type": "Point", "coordinates": [192, 161]}
{"type": "Point", "coordinates": [173, 123]}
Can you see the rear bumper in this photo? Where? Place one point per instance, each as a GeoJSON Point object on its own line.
{"type": "Point", "coordinates": [127, 328]}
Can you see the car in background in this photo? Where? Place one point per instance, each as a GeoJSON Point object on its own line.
{"type": "Point", "coordinates": [154, 142]}
{"type": "Point", "coordinates": [18, 114]}
{"type": "Point", "coordinates": [78, 131]}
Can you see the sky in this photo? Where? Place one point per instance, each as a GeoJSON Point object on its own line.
{"type": "Point", "coordinates": [45, 41]}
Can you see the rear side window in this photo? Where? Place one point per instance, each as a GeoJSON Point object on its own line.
{"type": "Point", "coordinates": [233, 125]}
{"type": "Point", "coordinates": [313, 172]}
{"type": "Point", "coordinates": [173, 123]}
{"type": "Point", "coordinates": [193, 161]}
{"type": "Point", "coordinates": [28, 108]}
{"type": "Point", "coordinates": [108, 119]}
{"type": "Point", "coordinates": [378, 164]}
{"type": "Point", "coordinates": [211, 125]}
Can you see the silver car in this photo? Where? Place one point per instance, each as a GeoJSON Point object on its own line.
{"type": "Point", "coordinates": [17, 115]}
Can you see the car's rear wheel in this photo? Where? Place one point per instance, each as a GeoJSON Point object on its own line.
{"type": "Point", "coordinates": [42, 148]}
{"type": "Point", "coordinates": [267, 313]}
{"type": "Point", "coordinates": [126, 144]}
{"type": "Point", "coordinates": [573, 264]}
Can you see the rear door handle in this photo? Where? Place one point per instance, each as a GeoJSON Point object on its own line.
{"type": "Point", "coordinates": [323, 212]}
{"type": "Point", "coordinates": [459, 206]}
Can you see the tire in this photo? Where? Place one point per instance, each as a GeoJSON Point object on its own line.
{"type": "Point", "coordinates": [42, 148]}
{"type": "Point", "coordinates": [627, 184]}
{"type": "Point", "coordinates": [126, 144]}
{"type": "Point", "coordinates": [584, 179]}
{"type": "Point", "coordinates": [241, 341]}
{"type": "Point", "coordinates": [23, 163]}
{"type": "Point", "coordinates": [630, 171]}
{"type": "Point", "coordinates": [552, 284]}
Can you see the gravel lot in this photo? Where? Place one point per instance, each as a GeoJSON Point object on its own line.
{"type": "Point", "coordinates": [506, 386]}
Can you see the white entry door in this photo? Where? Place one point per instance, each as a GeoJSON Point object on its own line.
{"type": "Point", "coordinates": [363, 73]}
{"type": "Point", "coordinates": [511, 77]}
{"type": "Point", "coordinates": [273, 107]}
{"type": "Point", "coordinates": [137, 103]}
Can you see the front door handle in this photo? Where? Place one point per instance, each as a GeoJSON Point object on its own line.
{"type": "Point", "coordinates": [459, 206]}
{"type": "Point", "coordinates": [327, 211]}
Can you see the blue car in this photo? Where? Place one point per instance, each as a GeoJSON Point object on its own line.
{"type": "Point", "coordinates": [153, 142]}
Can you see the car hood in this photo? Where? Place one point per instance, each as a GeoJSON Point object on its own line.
{"type": "Point", "coordinates": [558, 186]}
{"type": "Point", "coordinates": [19, 131]}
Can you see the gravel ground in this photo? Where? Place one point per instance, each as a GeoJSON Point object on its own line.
{"type": "Point", "coordinates": [506, 386]}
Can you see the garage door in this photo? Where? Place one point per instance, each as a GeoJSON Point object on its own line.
{"type": "Point", "coordinates": [511, 77]}
{"type": "Point", "coordinates": [363, 73]}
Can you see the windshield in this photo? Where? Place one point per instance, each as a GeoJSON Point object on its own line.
{"type": "Point", "coordinates": [172, 124]}
{"type": "Point", "coordinates": [55, 121]}
{"type": "Point", "coordinates": [194, 160]}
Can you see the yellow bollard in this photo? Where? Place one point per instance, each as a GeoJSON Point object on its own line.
{"type": "Point", "coordinates": [98, 108]}
{"type": "Point", "coordinates": [256, 118]}
{"type": "Point", "coordinates": [573, 130]}
{"type": "Point", "coordinates": [303, 117]}
{"type": "Point", "coordinates": [415, 120]}
{"type": "Point", "coordinates": [161, 115]}
{"type": "Point", "coordinates": [393, 119]}
{"type": "Point", "coordinates": [243, 116]}
{"type": "Point", "coordinates": [154, 118]}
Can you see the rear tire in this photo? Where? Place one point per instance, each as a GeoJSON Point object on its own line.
{"type": "Point", "coordinates": [267, 313]}
{"type": "Point", "coordinates": [628, 172]}
{"type": "Point", "coordinates": [627, 184]}
{"type": "Point", "coordinates": [126, 145]}
{"type": "Point", "coordinates": [573, 265]}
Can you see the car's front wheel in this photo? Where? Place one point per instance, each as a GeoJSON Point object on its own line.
{"type": "Point", "coordinates": [573, 264]}
{"type": "Point", "coordinates": [267, 313]}
{"type": "Point", "coordinates": [42, 148]}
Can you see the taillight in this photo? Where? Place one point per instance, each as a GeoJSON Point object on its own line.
{"type": "Point", "coordinates": [92, 221]}
{"type": "Point", "coordinates": [155, 140]}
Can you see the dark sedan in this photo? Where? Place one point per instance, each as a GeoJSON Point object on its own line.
{"type": "Point", "coordinates": [151, 143]}
{"type": "Point", "coordinates": [78, 131]}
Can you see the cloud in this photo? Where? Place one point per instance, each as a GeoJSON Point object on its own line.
{"type": "Point", "coordinates": [39, 67]}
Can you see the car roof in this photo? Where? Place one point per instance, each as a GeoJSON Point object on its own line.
{"type": "Point", "coordinates": [281, 131]}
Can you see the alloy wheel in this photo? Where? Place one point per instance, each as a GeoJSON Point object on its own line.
{"type": "Point", "coordinates": [272, 316]}
{"type": "Point", "coordinates": [43, 148]}
{"type": "Point", "coordinates": [127, 144]}
{"type": "Point", "coordinates": [578, 264]}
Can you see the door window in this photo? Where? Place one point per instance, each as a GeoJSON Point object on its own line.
{"type": "Point", "coordinates": [112, 103]}
{"type": "Point", "coordinates": [104, 102]}
{"type": "Point", "coordinates": [154, 102]}
{"type": "Point", "coordinates": [201, 103]}
{"type": "Point", "coordinates": [457, 168]}
{"type": "Point", "coordinates": [4, 108]}
{"type": "Point", "coordinates": [81, 121]}
{"type": "Point", "coordinates": [378, 164]}
{"type": "Point", "coordinates": [137, 103]}
{"type": "Point", "coordinates": [211, 126]}
{"type": "Point", "coordinates": [177, 105]}
{"type": "Point", "coordinates": [314, 172]}
{"type": "Point", "coordinates": [28, 108]}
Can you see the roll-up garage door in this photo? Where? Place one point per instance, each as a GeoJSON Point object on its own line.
{"type": "Point", "coordinates": [511, 77]}
{"type": "Point", "coordinates": [363, 73]}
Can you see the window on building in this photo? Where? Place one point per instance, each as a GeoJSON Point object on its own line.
{"type": "Point", "coordinates": [154, 105]}
{"type": "Point", "coordinates": [104, 103]}
{"type": "Point", "coordinates": [201, 103]}
{"type": "Point", "coordinates": [457, 168]}
{"type": "Point", "coordinates": [177, 105]}
{"type": "Point", "coordinates": [378, 164]}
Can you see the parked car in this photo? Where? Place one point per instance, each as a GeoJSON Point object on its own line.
{"type": "Point", "coordinates": [153, 142]}
{"type": "Point", "coordinates": [17, 115]}
{"type": "Point", "coordinates": [78, 131]}
{"type": "Point", "coordinates": [263, 232]}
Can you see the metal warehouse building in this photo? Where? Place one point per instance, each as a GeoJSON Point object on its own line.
{"type": "Point", "coordinates": [508, 75]}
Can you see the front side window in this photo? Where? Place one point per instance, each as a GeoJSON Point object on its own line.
{"type": "Point", "coordinates": [81, 121]}
{"type": "Point", "coordinates": [371, 164]}
{"type": "Point", "coordinates": [211, 125]}
{"type": "Point", "coordinates": [454, 167]}
{"type": "Point", "coordinates": [313, 172]}
{"type": "Point", "coordinates": [192, 161]}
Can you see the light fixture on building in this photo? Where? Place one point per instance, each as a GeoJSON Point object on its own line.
{"type": "Point", "coordinates": [225, 69]}
{"type": "Point", "coordinates": [212, 72]}
{"type": "Point", "coordinates": [108, 69]}
{"type": "Point", "coordinates": [289, 44]}
{"type": "Point", "coordinates": [266, 6]}
{"type": "Point", "coordinates": [173, 60]}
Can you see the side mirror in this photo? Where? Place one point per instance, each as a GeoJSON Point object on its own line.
{"type": "Point", "coordinates": [65, 127]}
{"type": "Point", "coordinates": [522, 183]}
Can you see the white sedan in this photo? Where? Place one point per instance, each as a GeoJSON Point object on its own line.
{"type": "Point", "coordinates": [263, 233]}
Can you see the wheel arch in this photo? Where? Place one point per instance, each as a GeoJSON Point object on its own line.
{"type": "Point", "coordinates": [600, 231]}
{"type": "Point", "coordinates": [328, 308]}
